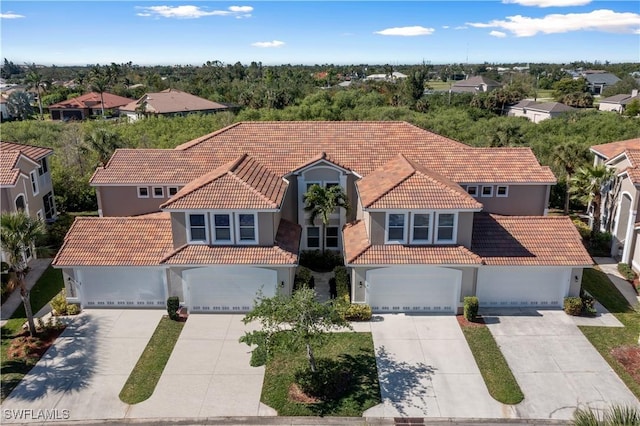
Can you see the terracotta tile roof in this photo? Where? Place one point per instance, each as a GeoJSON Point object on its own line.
{"type": "Point", "coordinates": [92, 100]}
{"type": "Point", "coordinates": [401, 183]}
{"type": "Point", "coordinates": [172, 101]}
{"type": "Point", "coordinates": [242, 183]}
{"type": "Point", "coordinates": [36, 153]}
{"type": "Point", "coordinates": [358, 146]}
{"type": "Point", "coordinates": [528, 241]}
{"type": "Point", "coordinates": [8, 171]}
{"type": "Point", "coordinates": [610, 150]}
{"type": "Point", "coordinates": [284, 252]}
{"type": "Point", "coordinates": [634, 169]}
{"type": "Point", "coordinates": [359, 251]}
{"type": "Point", "coordinates": [116, 241]}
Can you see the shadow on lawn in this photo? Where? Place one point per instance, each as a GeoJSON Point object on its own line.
{"type": "Point", "coordinates": [401, 383]}
{"type": "Point", "coordinates": [67, 366]}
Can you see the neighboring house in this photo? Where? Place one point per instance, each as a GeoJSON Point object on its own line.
{"type": "Point", "coordinates": [536, 112]}
{"type": "Point", "coordinates": [386, 77]}
{"type": "Point", "coordinates": [599, 80]}
{"type": "Point", "coordinates": [4, 111]}
{"type": "Point", "coordinates": [477, 84]}
{"type": "Point", "coordinates": [218, 219]}
{"type": "Point", "coordinates": [618, 103]}
{"type": "Point", "coordinates": [170, 102]}
{"type": "Point", "coordinates": [86, 106]}
{"type": "Point", "coordinates": [622, 198]}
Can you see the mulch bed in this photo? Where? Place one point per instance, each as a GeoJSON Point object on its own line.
{"type": "Point", "coordinates": [629, 357]}
{"type": "Point", "coordinates": [30, 348]}
{"type": "Point", "coordinates": [297, 395]}
{"type": "Point", "coordinates": [479, 322]}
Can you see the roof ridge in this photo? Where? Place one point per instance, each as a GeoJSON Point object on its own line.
{"type": "Point", "coordinates": [173, 253]}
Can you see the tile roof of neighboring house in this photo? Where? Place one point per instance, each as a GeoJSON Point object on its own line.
{"type": "Point", "coordinates": [92, 100]}
{"type": "Point", "coordinates": [622, 99]}
{"type": "Point", "coordinates": [240, 184]}
{"type": "Point", "coordinates": [8, 171]}
{"type": "Point", "coordinates": [116, 241]}
{"type": "Point", "coordinates": [634, 168]}
{"type": "Point", "coordinates": [35, 153]}
{"type": "Point", "coordinates": [528, 241]}
{"type": "Point", "coordinates": [613, 149]}
{"type": "Point", "coordinates": [359, 251]}
{"type": "Point", "coordinates": [358, 146]}
{"type": "Point", "coordinates": [401, 183]}
{"type": "Point", "coordinates": [601, 78]}
{"type": "Point", "coordinates": [172, 101]}
{"type": "Point", "coordinates": [283, 252]}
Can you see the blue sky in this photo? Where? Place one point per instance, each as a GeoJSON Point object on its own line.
{"type": "Point", "coordinates": [192, 32]}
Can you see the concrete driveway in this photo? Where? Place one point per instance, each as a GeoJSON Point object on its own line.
{"type": "Point", "coordinates": [426, 369]}
{"type": "Point", "coordinates": [208, 374]}
{"type": "Point", "coordinates": [81, 375]}
{"type": "Point", "coordinates": [556, 367]}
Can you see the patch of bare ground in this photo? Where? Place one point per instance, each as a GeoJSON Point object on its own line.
{"type": "Point", "coordinates": [297, 395]}
{"type": "Point", "coordinates": [629, 357]}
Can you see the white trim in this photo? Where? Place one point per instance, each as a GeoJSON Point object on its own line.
{"type": "Point", "coordinates": [153, 191]}
{"type": "Point", "coordinates": [405, 233]}
{"type": "Point", "coordinates": [33, 178]}
{"type": "Point", "coordinates": [169, 188]}
{"type": "Point", "coordinates": [138, 191]}
{"type": "Point", "coordinates": [506, 191]}
{"type": "Point", "coordinates": [256, 234]}
{"type": "Point", "coordinates": [482, 194]}
{"type": "Point", "coordinates": [321, 163]}
{"type": "Point", "coordinates": [412, 225]}
{"type": "Point", "coordinates": [454, 235]}
{"type": "Point", "coordinates": [476, 190]}
{"type": "Point", "coordinates": [206, 228]}
{"type": "Point", "coordinates": [214, 240]}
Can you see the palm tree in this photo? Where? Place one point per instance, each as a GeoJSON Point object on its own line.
{"type": "Point", "coordinates": [322, 201]}
{"type": "Point", "coordinates": [568, 157]}
{"type": "Point", "coordinates": [18, 234]}
{"type": "Point", "coordinates": [587, 185]}
{"type": "Point", "coordinates": [36, 81]}
{"type": "Point", "coordinates": [100, 80]}
{"type": "Point", "coordinates": [103, 142]}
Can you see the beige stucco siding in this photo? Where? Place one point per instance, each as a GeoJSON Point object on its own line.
{"type": "Point", "coordinates": [522, 200]}
{"type": "Point", "coordinates": [465, 229]}
{"type": "Point", "coordinates": [377, 224]}
{"type": "Point", "coordinates": [289, 209]}
{"type": "Point", "coordinates": [5, 204]}
{"type": "Point", "coordinates": [266, 228]}
{"type": "Point", "coordinates": [178, 229]}
{"type": "Point", "coordinates": [124, 201]}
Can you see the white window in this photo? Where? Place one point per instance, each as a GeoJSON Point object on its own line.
{"type": "Point", "coordinates": [502, 191]}
{"type": "Point", "coordinates": [472, 190]}
{"type": "Point", "coordinates": [197, 228]}
{"type": "Point", "coordinates": [396, 223]}
{"type": "Point", "coordinates": [313, 236]}
{"type": "Point", "coordinates": [246, 228]}
{"type": "Point", "coordinates": [158, 192]}
{"type": "Point", "coordinates": [143, 192]}
{"type": "Point", "coordinates": [34, 182]}
{"type": "Point", "coordinates": [487, 191]}
{"type": "Point", "coordinates": [44, 168]}
{"type": "Point", "coordinates": [421, 227]}
{"type": "Point", "coordinates": [222, 228]}
{"type": "Point", "coordinates": [446, 232]}
{"type": "Point", "coordinates": [331, 237]}
{"type": "Point", "coordinates": [172, 190]}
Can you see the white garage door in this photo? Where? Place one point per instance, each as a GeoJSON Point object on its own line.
{"type": "Point", "coordinates": [413, 289]}
{"type": "Point", "coordinates": [122, 287]}
{"type": "Point", "coordinates": [227, 288]}
{"type": "Point", "coordinates": [512, 287]}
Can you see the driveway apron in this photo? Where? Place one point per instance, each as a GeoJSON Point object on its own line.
{"type": "Point", "coordinates": [208, 374]}
{"type": "Point", "coordinates": [426, 369]}
{"type": "Point", "coordinates": [556, 367]}
{"type": "Point", "coordinates": [84, 371]}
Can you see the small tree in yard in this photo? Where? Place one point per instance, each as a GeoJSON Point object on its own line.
{"type": "Point", "coordinates": [587, 185]}
{"type": "Point", "coordinates": [19, 233]}
{"type": "Point", "coordinates": [295, 321]}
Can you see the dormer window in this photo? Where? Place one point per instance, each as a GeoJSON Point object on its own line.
{"type": "Point", "coordinates": [396, 227]}
{"type": "Point", "coordinates": [446, 232]}
{"type": "Point", "coordinates": [222, 228]}
{"type": "Point", "coordinates": [247, 228]}
{"type": "Point", "coordinates": [197, 228]}
{"type": "Point", "coordinates": [421, 228]}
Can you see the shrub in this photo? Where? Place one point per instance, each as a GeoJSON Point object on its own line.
{"type": "Point", "coordinates": [330, 382]}
{"type": "Point", "coordinates": [600, 244]}
{"type": "Point", "coordinates": [343, 282]}
{"type": "Point", "coordinates": [583, 229]}
{"type": "Point", "coordinates": [173, 304]}
{"type": "Point", "coordinates": [59, 304]}
{"type": "Point", "coordinates": [358, 312]}
{"type": "Point", "coordinates": [321, 261]}
{"type": "Point", "coordinates": [573, 306]}
{"type": "Point", "coordinates": [73, 309]}
{"type": "Point", "coordinates": [471, 308]}
{"type": "Point", "coordinates": [626, 271]}
{"type": "Point", "coordinates": [304, 279]}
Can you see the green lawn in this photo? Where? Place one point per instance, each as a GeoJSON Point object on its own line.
{"type": "Point", "coordinates": [494, 368]}
{"type": "Point", "coordinates": [145, 375]}
{"type": "Point", "coordinates": [352, 352]}
{"type": "Point", "coordinates": [604, 339]}
{"type": "Point", "coordinates": [11, 372]}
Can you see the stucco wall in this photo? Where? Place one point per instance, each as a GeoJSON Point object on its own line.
{"type": "Point", "coordinates": [575, 282]}
{"type": "Point", "coordinates": [124, 201]}
{"type": "Point", "coordinates": [267, 228]}
{"type": "Point", "coordinates": [522, 200]}
{"type": "Point", "coordinates": [178, 229]}
{"type": "Point", "coordinates": [465, 229]}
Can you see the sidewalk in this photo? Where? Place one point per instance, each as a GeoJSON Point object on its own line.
{"type": "Point", "coordinates": [38, 266]}
{"type": "Point", "coordinates": [610, 267]}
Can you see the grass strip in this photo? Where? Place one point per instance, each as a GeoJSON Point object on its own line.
{"type": "Point", "coordinates": [354, 353]}
{"type": "Point", "coordinates": [495, 371]}
{"type": "Point", "coordinates": [606, 339]}
{"type": "Point", "coordinates": [145, 375]}
{"type": "Point", "coordinates": [47, 286]}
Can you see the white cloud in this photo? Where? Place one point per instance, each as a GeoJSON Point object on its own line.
{"type": "Point", "coordinates": [11, 15]}
{"type": "Point", "coordinates": [460, 27]}
{"type": "Point", "coordinates": [406, 31]}
{"type": "Point", "coordinates": [274, 43]}
{"type": "Point", "coordinates": [598, 20]}
{"type": "Point", "coordinates": [548, 3]}
{"type": "Point", "coordinates": [446, 27]}
{"type": "Point", "coordinates": [498, 34]}
{"type": "Point", "coordinates": [193, 12]}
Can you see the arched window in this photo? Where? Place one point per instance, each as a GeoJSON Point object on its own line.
{"type": "Point", "coordinates": [20, 204]}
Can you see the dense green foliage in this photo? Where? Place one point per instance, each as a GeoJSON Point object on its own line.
{"type": "Point", "coordinates": [626, 271]}
{"type": "Point", "coordinates": [471, 306]}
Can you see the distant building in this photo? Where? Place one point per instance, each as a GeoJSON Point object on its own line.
{"type": "Point", "coordinates": [599, 80]}
{"type": "Point", "coordinates": [477, 84]}
{"type": "Point", "coordinates": [618, 103]}
{"type": "Point", "coordinates": [170, 102]}
{"type": "Point", "coordinates": [85, 106]}
{"type": "Point", "coordinates": [385, 77]}
{"type": "Point", "coordinates": [537, 112]}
